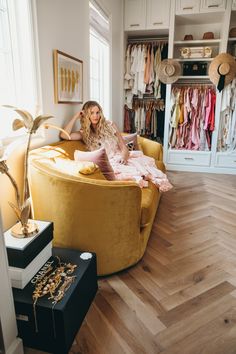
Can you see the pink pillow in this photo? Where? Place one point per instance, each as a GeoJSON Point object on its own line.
{"type": "Point", "coordinates": [99, 157]}
{"type": "Point", "coordinates": [131, 139]}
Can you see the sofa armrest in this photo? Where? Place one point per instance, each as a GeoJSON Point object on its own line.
{"type": "Point", "coordinates": [151, 148]}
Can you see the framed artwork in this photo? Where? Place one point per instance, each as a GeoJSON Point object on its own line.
{"type": "Point", "coordinates": [68, 78]}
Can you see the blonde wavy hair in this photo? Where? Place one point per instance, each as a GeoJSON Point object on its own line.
{"type": "Point", "coordinates": [104, 130]}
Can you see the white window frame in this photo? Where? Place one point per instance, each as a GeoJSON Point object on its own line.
{"type": "Point", "coordinates": [25, 62]}
{"type": "Point", "coordinates": [105, 37]}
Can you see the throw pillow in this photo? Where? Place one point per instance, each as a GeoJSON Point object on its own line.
{"type": "Point", "coordinates": [99, 157]}
{"type": "Point", "coordinates": [131, 141]}
{"type": "Point", "coordinates": [74, 167]}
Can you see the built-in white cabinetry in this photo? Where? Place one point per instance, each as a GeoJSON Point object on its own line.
{"type": "Point", "coordinates": [195, 18]}
{"type": "Point", "coordinates": [196, 6]}
{"type": "Point", "coordinates": [181, 18]}
{"type": "Point", "coordinates": [146, 14]}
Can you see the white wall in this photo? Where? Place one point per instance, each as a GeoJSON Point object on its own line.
{"type": "Point", "coordinates": [64, 25]}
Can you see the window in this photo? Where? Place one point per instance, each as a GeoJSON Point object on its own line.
{"type": "Point", "coordinates": [99, 58]}
{"type": "Point", "coordinates": [17, 62]}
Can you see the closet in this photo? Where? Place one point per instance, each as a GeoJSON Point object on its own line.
{"type": "Point", "coordinates": [144, 109]}
{"type": "Point", "coordinates": [202, 26]}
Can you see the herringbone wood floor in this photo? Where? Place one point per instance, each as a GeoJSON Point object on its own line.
{"type": "Point", "coordinates": [181, 297]}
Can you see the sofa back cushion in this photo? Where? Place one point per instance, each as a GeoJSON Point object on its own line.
{"type": "Point", "coordinates": [99, 157]}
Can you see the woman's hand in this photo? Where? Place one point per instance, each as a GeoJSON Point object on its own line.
{"type": "Point", "coordinates": [79, 115]}
{"type": "Point", "coordinates": [124, 156]}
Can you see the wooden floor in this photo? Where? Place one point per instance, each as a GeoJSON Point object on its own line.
{"type": "Point", "coordinates": [181, 297]}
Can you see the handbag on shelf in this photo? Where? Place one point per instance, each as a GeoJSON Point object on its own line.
{"type": "Point", "coordinates": [194, 68]}
{"type": "Point", "coordinates": [196, 52]}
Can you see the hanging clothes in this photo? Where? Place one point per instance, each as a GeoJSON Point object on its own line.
{"type": "Point", "coordinates": [141, 70]}
{"type": "Point", "coordinates": [192, 118]}
{"type": "Point", "coordinates": [141, 114]}
{"type": "Point", "coordinates": [145, 118]}
{"type": "Point", "coordinates": [227, 127]}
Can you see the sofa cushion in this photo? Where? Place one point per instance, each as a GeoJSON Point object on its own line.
{"type": "Point", "coordinates": [99, 157]}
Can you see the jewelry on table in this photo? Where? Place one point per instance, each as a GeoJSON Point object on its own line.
{"type": "Point", "coordinates": [53, 282]}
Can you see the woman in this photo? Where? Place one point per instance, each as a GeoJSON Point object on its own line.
{"type": "Point", "coordinates": [97, 132]}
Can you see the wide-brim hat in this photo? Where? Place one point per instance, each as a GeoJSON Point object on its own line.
{"type": "Point", "coordinates": [223, 65]}
{"type": "Point", "coordinates": [169, 71]}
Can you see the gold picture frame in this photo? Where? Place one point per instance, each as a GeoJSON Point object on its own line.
{"type": "Point", "coordinates": [68, 78]}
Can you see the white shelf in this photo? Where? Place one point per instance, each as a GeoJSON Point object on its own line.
{"type": "Point", "coordinates": [198, 41]}
{"type": "Point", "coordinates": [202, 77]}
{"type": "Point", "coordinates": [233, 39]}
{"type": "Point", "coordinates": [193, 59]}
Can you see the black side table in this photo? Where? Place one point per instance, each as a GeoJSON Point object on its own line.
{"type": "Point", "coordinates": [52, 328]}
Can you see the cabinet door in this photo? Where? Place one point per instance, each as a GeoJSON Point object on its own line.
{"type": "Point", "coordinates": [158, 14]}
{"type": "Point", "coordinates": [234, 5]}
{"type": "Point", "coordinates": [135, 14]}
{"type": "Point", "coordinates": [187, 6]}
{"type": "Point", "coordinates": [212, 5]}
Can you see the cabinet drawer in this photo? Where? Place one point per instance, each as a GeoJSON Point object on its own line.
{"type": "Point", "coordinates": [187, 7]}
{"type": "Point", "coordinates": [225, 160]}
{"type": "Point", "coordinates": [212, 5]}
{"type": "Point", "coordinates": [194, 158]}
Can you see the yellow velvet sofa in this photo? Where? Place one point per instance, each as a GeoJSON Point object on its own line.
{"type": "Point", "coordinates": [111, 218]}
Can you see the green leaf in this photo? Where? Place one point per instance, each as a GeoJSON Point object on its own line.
{"type": "Point", "coordinates": [17, 124]}
{"type": "Point", "coordinates": [38, 121]}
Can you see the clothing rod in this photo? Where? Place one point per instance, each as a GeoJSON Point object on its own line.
{"type": "Point", "coordinates": [201, 82]}
{"type": "Point", "coordinates": [148, 98]}
{"type": "Point", "coordinates": [147, 39]}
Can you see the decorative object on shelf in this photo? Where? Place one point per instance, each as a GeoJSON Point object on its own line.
{"type": "Point", "coordinates": [68, 78]}
{"type": "Point", "coordinates": [24, 228]}
{"type": "Point", "coordinates": [169, 71]}
{"type": "Point", "coordinates": [222, 70]}
{"type": "Point", "coordinates": [194, 68]}
{"type": "Point", "coordinates": [196, 52]}
{"type": "Point", "coordinates": [232, 32]}
{"type": "Point", "coordinates": [188, 37]}
{"type": "Point", "coordinates": [208, 35]}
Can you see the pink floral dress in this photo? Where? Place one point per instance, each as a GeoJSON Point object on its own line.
{"type": "Point", "coordinates": [139, 168]}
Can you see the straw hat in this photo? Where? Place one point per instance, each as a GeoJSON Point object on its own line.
{"type": "Point", "coordinates": [169, 71]}
{"type": "Point", "coordinates": [222, 70]}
